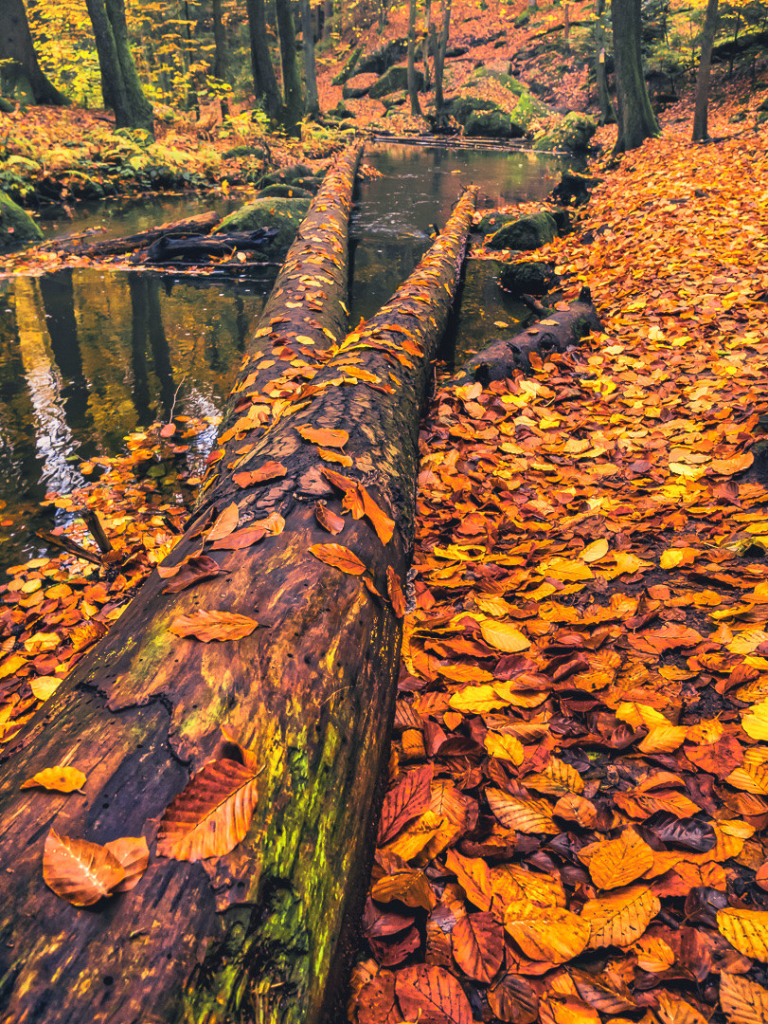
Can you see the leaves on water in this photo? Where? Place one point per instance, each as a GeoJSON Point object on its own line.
{"type": "Point", "coordinates": [212, 813]}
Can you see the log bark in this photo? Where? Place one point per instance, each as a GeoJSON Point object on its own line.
{"type": "Point", "coordinates": [200, 224]}
{"type": "Point", "coordinates": [557, 331]}
{"type": "Point", "coordinates": [255, 935]}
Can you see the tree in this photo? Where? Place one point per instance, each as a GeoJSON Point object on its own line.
{"type": "Point", "coordinates": [636, 119]}
{"type": "Point", "coordinates": [440, 46]}
{"type": "Point", "coordinates": [702, 77]}
{"type": "Point", "coordinates": [20, 68]}
{"type": "Point", "coordinates": [413, 90]}
{"type": "Point", "coordinates": [312, 104]}
{"type": "Point", "coordinates": [221, 56]}
{"type": "Point", "coordinates": [264, 80]}
{"type": "Point", "coordinates": [607, 115]}
{"type": "Point", "coordinates": [294, 104]}
{"type": "Point", "coordinates": [119, 79]}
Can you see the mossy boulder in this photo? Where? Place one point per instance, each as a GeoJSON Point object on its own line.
{"type": "Point", "coordinates": [526, 233]}
{"type": "Point", "coordinates": [277, 212]}
{"type": "Point", "coordinates": [284, 192]}
{"type": "Point", "coordinates": [298, 175]}
{"type": "Point", "coordinates": [534, 278]}
{"type": "Point", "coordinates": [493, 124]}
{"type": "Point", "coordinates": [573, 133]}
{"type": "Point", "coordinates": [16, 226]}
{"type": "Point", "coordinates": [394, 80]}
{"type": "Point", "coordinates": [358, 86]}
{"type": "Point", "coordinates": [22, 166]}
{"type": "Point", "coordinates": [6, 107]}
{"type": "Point", "coordinates": [513, 85]}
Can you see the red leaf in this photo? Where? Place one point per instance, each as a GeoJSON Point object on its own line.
{"type": "Point", "coordinates": [405, 801]}
{"type": "Point", "coordinates": [431, 996]}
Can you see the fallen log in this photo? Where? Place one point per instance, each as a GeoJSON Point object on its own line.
{"type": "Point", "coordinates": [196, 249]}
{"type": "Point", "coordinates": [555, 332]}
{"type": "Point", "coordinates": [200, 224]}
{"type": "Point", "coordinates": [258, 933]}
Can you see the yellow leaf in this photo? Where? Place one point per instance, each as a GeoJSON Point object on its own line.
{"type": "Point", "coordinates": [45, 686]}
{"type": "Point", "coordinates": [508, 748]}
{"type": "Point", "coordinates": [663, 739]}
{"type": "Point", "coordinates": [557, 779]}
{"type": "Point", "coordinates": [530, 816]}
{"type": "Point", "coordinates": [622, 917]}
{"type": "Point", "coordinates": [747, 641]}
{"type": "Point", "coordinates": [63, 780]}
{"type": "Point", "coordinates": [743, 1001]}
{"type": "Point", "coordinates": [503, 636]}
{"type": "Point", "coordinates": [746, 930]}
{"type": "Point", "coordinates": [755, 721]}
{"type": "Point", "coordinates": [595, 551]}
{"type": "Point", "coordinates": [752, 775]}
{"type": "Point", "coordinates": [546, 933]}
{"type": "Point", "coordinates": [477, 700]}
{"type": "Point", "coordinates": [674, 1010]}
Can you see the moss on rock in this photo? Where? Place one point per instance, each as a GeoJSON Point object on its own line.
{"type": "Point", "coordinates": [16, 226]}
{"type": "Point", "coordinates": [573, 133]}
{"type": "Point", "coordinates": [394, 80]}
{"type": "Point", "coordinates": [526, 233]}
{"type": "Point", "coordinates": [277, 212]}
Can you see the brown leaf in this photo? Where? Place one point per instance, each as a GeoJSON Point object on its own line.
{"type": "Point", "coordinates": [477, 941]}
{"type": "Point", "coordinates": [395, 591]}
{"type": "Point", "coordinates": [194, 570]}
{"type": "Point", "coordinates": [269, 471]}
{"type": "Point", "coordinates": [133, 854]}
{"type": "Point", "coordinates": [212, 813]}
{"type": "Point", "coordinates": [404, 802]}
{"type": "Point", "coordinates": [240, 539]}
{"type": "Point", "coordinates": [339, 557]}
{"type": "Point", "coordinates": [216, 625]}
{"type": "Point", "coordinates": [78, 871]}
{"type": "Point", "coordinates": [328, 519]}
{"type": "Point", "coordinates": [431, 996]}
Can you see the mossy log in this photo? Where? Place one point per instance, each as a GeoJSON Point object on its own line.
{"type": "Point", "coordinates": [555, 332]}
{"type": "Point", "coordinates": [260, 933]}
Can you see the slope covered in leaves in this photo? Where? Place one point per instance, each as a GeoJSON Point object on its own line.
{"type": "Point", "coordinates": [574, 828]}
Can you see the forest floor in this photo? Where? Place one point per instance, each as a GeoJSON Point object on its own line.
{"type": "Point", "coordinates": [575, 825]}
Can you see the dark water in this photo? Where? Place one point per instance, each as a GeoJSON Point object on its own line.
{"type": "Point", "coordinates": [88, 356]}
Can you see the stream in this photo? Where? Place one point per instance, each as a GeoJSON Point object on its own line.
{"type": "Point", "coordinates": [87, 356]}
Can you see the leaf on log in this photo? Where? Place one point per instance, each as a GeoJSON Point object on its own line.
{"type": "Point", "coordinates": [382, 524]}
{"type": "Point", "coordinates": [225, 524]}
{"type": "Point", "coordinates": [240, 539]}
{"type": "Point", "coordinates": [78, 871]}
{"type": "Point", "coordinates": [133, 854]}
{"type": "Point", "coordinates": [212, 813]}
{"type": "Point", "coordinates": [339, 557]}
{"type": "Point", "coordinates": [63, 780]}
{"type": "Point", "coordinates": [327, 438]}
{"type": "Point", "coordinates": [269, 471]}
{"type": "Point", "coordinates": [330, 456]}
{"type": "Point", "coordinates": [743, 1001]}
{"type": "Point", "coordinates": [194, 570]}
{"type": "Point", "coordinates": [45, 686]}
{"type": "Point", "coordinates": [395, 591]}
{"type": "Point", "coordinates": [328, 520]}
{"type": "Point", "coordinates": [477, 943]}
{"type": "Point", "coordinates": [216, 625]}
{"type": "Point", "coordinates": [431, 995]}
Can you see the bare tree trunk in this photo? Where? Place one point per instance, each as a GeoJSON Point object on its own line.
{"type": "Point", "coordinates": [607, 115]}
{"type": "Point", "coordinates": [413, 91]}
{"type": "Point", "coordinates": [440, 49]}
{"type": "Point", "coordinates": [636, 119]}
{"type": "Point", "coordinates": [221, 58]}
{"type": "Point", "coordinates": [701, 104]}
{"type": "Point", "coordinates": [312, 104]}
{"type": "Point", "coordinates": [294, 105]}
{"type": "Point", "coordinates": [264, 80]}
{"type": "Point", "coordinates": [17, 49]}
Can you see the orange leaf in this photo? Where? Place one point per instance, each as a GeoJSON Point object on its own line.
{"type": "Point", "coordinates": [133, 854]}
{"type": "Point", "coordinates": [240, 539]}
{"type": "Point", "coordinates": [328, 438]}
{"type": "Point", "coordinates": [339, 557]}
{"type": "Point", "coordinates": [327, 519]}
{"type": "Point", "coordinates": [477, 943]}
{"type": "Point", "coordinates": [430, 995]}
{"type": "Point", "coordinates": [269, 471]}
{"type": "Point", "coordinates": [225, 523]}
{"type": "Point", "coordinates": [212, 813]}
{"type": "Point", "coordinates": [329, 456]}
{"type": "Point", "coordinates": [63, 780]}
{"type": "Point", "coordinates": [207, 626]}
{"type": "Point", "coordinates": [382, 524]}
{"type": "Point", "coordinates": [78, 871]}
{"type": "Point", "coordinates": [395, 591]}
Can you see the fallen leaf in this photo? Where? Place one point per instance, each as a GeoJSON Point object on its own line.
{"type": "Point", "coordinates": [78, 871]}
{"type": "Point", "coordinates": [214, 625]}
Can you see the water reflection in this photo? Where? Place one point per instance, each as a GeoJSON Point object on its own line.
{"type": "Point", "coordinates": [87, 357]}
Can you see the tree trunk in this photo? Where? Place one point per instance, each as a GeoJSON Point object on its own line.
{"type": "Point", "coordinates": [426, 45]}
{"type": "Point", "coordinates": [503, 357]}
{"type": "Point", "coordinates": [294, 106]}
{"type": "Point", "coordinates": [607, 115]}
{"type": "Point", "coordinates": [327, 16]}
{"type": "Point", "coordinates": [636, 119]}
{"type": "Point", "coordinates": [120, 81]}
{"type": "Point", "coordinates": [413, 91]}
{"type": "Point", "coordinates": [440, 49]}
{"type": "Point", "coordinates": [255, 935]}
{"type": "Point", "coordinates": [221, 58]}
{"type": "Point", "coordinates": [702, 77]}
{"type": "Point", "coordinates": [312, 104]}
{"type": "Point", "coordinates": [265, 84]}
{"type": "Point", "coordinates": [79, 245]}
{"type": "Point", "coordinates": [17, 48]}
